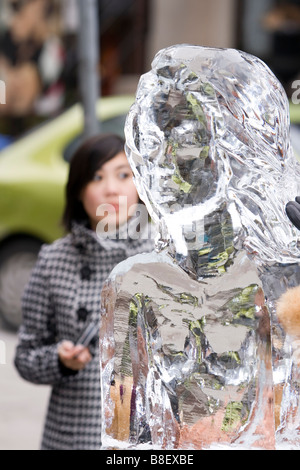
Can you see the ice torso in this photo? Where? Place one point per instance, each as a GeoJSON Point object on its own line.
{"type": "Point", "coordinates": [186, 363]}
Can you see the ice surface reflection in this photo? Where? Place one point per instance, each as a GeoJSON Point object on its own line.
{"type": "Point", "coordinates": [192, 353]}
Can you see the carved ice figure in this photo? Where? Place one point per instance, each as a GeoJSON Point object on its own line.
{"type": "Point", "coordinates": [192, 354]}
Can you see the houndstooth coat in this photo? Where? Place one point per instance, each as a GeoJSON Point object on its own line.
{"type": "Point", "coordinates": [63, 295]}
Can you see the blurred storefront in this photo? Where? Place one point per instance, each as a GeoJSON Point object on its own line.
{"type": "Point", "coordinates": [38, 55]}
{"type": "Point", "coordinates": [38, 46]}
{"type": "Point", "coordinates": [270, 29]}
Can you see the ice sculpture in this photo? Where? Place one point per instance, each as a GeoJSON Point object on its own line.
{"type": "Point", "coordinates": [192, 353]}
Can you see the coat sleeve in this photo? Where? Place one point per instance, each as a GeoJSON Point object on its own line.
{"type": "Point", "coordinates": [36, 357]}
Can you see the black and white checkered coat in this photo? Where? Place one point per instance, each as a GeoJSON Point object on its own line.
{"type": "Point", "coordinates": [62, 296]}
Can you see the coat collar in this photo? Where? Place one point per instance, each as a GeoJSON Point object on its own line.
{"type": "Point", "coordinates": [86, 240]}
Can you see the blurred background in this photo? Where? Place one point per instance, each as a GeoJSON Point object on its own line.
{"type": "Point", "coordinates": [43, 33]}
{"type": "Point", "coordinates": [41, 123]}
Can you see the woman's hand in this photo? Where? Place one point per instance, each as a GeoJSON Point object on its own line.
{"type": "Point", "coordinates": [74, 357]}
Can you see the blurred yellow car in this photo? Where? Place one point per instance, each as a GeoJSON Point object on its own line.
{"type": "Point", "coordinates": [33, 173]}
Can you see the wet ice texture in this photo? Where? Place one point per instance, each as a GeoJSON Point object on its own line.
{"type": "Point", "coordinates": [212, 126]}
{"type": "Point", "coordinates": [189, 358]}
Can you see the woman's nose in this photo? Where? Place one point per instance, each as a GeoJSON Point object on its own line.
{"type": "Point", "coordinates": [110, 186]}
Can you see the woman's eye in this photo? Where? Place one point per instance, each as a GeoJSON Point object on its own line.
{"type": "Point", "coordinates": [124, 175]}
{"type": "Point", "coordinates": [97, 177]}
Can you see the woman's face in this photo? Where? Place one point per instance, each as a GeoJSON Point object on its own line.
{"type": "Point", "coordinates": [111, 196]}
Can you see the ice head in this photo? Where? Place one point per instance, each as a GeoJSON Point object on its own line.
{"type": "Point", "coordinates": [209, 131]}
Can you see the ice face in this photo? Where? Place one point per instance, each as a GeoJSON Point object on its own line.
{"type": "Point", "coordinates": [211, 126]}
{"type": "Point", "coordinates": [192, 355]}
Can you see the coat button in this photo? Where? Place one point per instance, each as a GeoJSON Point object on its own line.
{"type": "Point", "coordinates": [82, 314]}
{"type": "Point", "coordinates": [80, 247]}
{"type": "Point", "coordinates": [85, 273]}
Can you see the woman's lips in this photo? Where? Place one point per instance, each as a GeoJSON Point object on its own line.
{"type": "Point", "coordinates": [111, 207]}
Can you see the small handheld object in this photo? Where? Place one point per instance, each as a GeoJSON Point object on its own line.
{"type": "Point", "coordinates": [293, 212]}
{"type": "Point", "coordinates": [87, 335]}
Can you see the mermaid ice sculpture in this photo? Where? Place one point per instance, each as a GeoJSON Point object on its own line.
{"type": "Point", "coordinates": [192, 354]}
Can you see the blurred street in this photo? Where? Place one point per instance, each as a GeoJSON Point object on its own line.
{"type": "Point", "coordinates": [22, 405]}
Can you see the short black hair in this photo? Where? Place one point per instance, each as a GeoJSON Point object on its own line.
{"type": "Point", "coordinates": [89, 158]}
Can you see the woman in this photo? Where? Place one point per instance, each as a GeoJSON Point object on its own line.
{"type": "Point", "coordinates": [63, 294]}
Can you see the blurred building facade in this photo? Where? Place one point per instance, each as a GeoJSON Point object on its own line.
{"type": "Point", "coordinates": [130, 33]}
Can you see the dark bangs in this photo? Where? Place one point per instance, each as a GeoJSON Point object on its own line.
{"type": "Point", "coordinates": [89, 158]}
